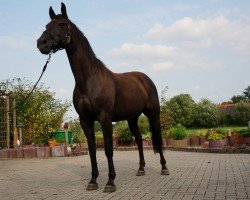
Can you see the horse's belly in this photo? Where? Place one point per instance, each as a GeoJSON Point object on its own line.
{"type": "Point", "coordinates": [127, 110]}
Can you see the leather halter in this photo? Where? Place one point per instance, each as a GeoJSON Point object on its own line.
{"type": "Point", "coordinates": [55, 42]}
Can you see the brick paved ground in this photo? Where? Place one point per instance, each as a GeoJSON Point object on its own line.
{"type": "Point", "coordinates": [193, 176]}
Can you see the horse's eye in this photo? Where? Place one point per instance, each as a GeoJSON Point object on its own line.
{"type": "Point", "coordinates": [61, 24]}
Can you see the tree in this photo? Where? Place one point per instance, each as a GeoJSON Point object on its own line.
{"type": "Point", "coordinates": [241, 114]}
{"type": "Point", "coordinates": [182, 109]}
{"type": "Point", "coordinates": [206, 114]}
{"type": "Point", "coordinates": [246, 93]}
{"type": "Point", "coordinates": [41, 113]}
{"type": "Point", "coordinates": [238, 98]}
{"type": "Point", "coordinates": [245, 97]}
{"type": "Point", "coordinates": [166, 119]}
{"type": "Point", "coordinates": [165, 114]}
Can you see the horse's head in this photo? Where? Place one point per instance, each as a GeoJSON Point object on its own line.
{"type": "Point", "coordinates": [57, 33]}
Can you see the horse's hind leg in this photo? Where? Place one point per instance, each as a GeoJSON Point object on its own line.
{"type": "Point", "coordinates": [154, 121]}
{"type": "Point", "coordinates": [133, 126]}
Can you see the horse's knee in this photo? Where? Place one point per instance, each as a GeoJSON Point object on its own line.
{"type": "Point", "coordinates": [108, 152]}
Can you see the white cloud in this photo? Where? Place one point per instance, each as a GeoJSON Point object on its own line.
{"type": "Point", "coordinates": [143, 50]}
{"type": "Point", "coordinates": [158, 58]}
{"type": "Point", "coordinates": [205, 32]}
{"type": "Point", "coordinates": [163, 66]}
{"type": "Point", "coordinates": [187, 43]}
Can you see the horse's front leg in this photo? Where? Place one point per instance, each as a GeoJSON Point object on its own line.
{"type": "Point", "coordinates": [88, 128]}
{"type": "Point", "coordinates": [106, 123]}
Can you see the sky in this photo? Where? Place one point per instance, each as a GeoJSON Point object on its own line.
{"type": "Point", "coordinates": [197, 47]}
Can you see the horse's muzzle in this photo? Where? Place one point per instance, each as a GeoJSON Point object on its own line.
{"type": "Point", "coordinates": [44, 45]}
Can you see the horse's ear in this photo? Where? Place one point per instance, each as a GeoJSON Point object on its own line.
{"type": "Point", "coordinates": [63, 10]}
{"type": "Point", "coordinates": [51, 13]}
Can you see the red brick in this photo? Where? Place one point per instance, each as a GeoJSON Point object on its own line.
{"type": "Point", "coordinates": [5, 153]}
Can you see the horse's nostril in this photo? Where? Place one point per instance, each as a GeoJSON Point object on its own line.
{"type": "Point", "coordinates": [44, 41]}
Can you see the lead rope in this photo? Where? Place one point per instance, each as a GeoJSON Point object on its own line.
{"type": "Point", "coordinates": [18, 107]}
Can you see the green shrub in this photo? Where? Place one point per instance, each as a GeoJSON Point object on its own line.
{"type": "Point", "coordinates": [99, 136]}
{"type": "Point", "coordinates": [215, 136]}
{"type": "Point", "coordinates": [76, 139]}
{"type": "Point", "coordinates": [220, 131]}
{"type": "Point", "coordinates": [143, 124]}
{"type": "Point", "coordinates": [244, 132]}
{"type": "Point", "coordinates": [124, 135]}
{"type": "Point", "coordinates": [179, 132]}
{"type": "Point", "coordinates": [146, 136]}
{"type": "Point", "coordinates": [193, 133]}
{"type": "Point", "coordinates": [166, 134]}
{"type": "Point", "coordinates": [202, 133]}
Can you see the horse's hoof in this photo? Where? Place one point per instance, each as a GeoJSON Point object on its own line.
{"type": "Point", "coordinates": [92, 186]}
{"type": "Point", "coordinates": [109, 188]}
{"type": "Point", "coordinates": [140, 173]}
{"type": "Point", "coordinates": [165, 172]}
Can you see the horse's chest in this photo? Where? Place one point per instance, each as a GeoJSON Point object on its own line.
{"type": "Point", "coordinates": [83, 105]}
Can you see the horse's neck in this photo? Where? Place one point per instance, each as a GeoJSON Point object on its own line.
{"type": "Point", "coordinates": [82, 62]}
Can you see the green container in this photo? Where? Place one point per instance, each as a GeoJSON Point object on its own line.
{"type": "Point", "coordinates": [60, 135]}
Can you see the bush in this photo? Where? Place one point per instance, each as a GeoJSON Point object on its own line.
{"type": "Point", "coordinates": [179, 132]}
{"type": "Point", "coordinates": [166, 133]}
{"type": "Point", "coordinates": [244, 132]}
{"type": "Point", "coordinates": [202, 133]}
{"type": "Point", "coordinates": [124, 135]}
{"type": "Point", "coordinates": [193, 133]}
{"type": "Point", "coordinates": [143, 124]}
{"type": "Point", "coordinates": [241, 114]}
{"type": "Point", "coordinates": [215, 134]}
{"type": "Point", "coordinates": [76, 139]}
{"type": "Point", "coordinates": [99, 136]}
{"type": "Point", "coordinates": [146, 136]}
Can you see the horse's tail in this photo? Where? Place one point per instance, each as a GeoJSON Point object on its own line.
{"type": "Point", "coordinates": [152, 111]}
{"type": "Point", "coordinates": [156, 134]}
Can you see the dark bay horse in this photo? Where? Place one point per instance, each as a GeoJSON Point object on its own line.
{"type": "Point", "coordinates": [103, 96]}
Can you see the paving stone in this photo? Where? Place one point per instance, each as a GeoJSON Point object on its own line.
{"type": "Point", "coordinates": [196, 176]}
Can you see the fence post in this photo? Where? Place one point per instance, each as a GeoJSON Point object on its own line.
{"type": "Point", "coordinates": [8, 121]}
{"type": "Point", "coordinates": [14, 124]}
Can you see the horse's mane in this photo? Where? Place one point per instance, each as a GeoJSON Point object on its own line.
{"type": "Point", "coordinates": [90, 52]}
